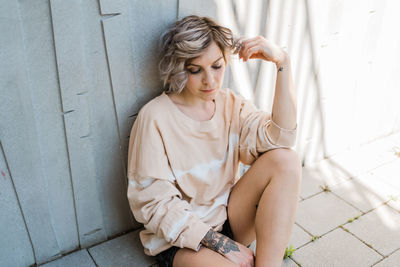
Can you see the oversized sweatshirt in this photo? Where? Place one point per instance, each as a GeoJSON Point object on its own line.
{"type": "Point", "coordinates": [181, 170]}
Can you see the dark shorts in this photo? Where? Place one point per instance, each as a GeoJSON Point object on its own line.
{"type": "Point", "coordinates": [166, 257]}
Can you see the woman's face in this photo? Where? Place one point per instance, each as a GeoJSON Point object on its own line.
{"type": "Point", "coordinates": [205, 74]}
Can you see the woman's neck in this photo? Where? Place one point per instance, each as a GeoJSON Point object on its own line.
{"type": "Point", "coordinates": [190, 101]}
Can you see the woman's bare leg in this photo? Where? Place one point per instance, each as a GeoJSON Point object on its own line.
{"type": "Point", "coordinates": [204, 257]}
{"type": "Point", "coordinates": [272, 183]}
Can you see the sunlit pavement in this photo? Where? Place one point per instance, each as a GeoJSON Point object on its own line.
{"type": "Point", "coordinates": [349, 211]}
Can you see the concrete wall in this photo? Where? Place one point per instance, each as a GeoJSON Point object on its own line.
{"type": "Point", "coordinates": [74, 75]}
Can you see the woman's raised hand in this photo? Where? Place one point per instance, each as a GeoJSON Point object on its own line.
{"type": "Point", "coordinates": [261, 48]}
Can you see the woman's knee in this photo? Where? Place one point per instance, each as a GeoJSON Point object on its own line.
{"type": "Point", "coordinates": [284, 160]}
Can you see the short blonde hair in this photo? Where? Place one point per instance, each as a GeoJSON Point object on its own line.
{"type": "Point", "coordinates": [187, 39]}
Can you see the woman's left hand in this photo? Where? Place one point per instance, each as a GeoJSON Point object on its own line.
{"type": "Point", "coordinates": [261, 48]}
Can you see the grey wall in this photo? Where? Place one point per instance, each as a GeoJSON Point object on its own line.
{"type": "Point", "coordinates": [75, 73]}
{"type": "Point", "coordinates": [72, 79]}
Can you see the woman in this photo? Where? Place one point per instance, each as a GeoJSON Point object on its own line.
{"type": "Point", "coordinates": [185, 147]}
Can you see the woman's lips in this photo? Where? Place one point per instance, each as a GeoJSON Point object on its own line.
{"type": "Point", "coordinates": [208, 91]}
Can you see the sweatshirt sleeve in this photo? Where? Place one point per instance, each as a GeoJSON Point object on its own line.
{"type": "Point", "coordinates": [153, 197]}
{"type": "Point", "coordinates": [258, 133]}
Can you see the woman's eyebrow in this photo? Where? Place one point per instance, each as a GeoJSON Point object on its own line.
{"type": "Point", "coordinates": [200, 66]}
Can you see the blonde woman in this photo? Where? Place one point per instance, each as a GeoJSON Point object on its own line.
{"type": "Point", "coordinates": [185, 147]}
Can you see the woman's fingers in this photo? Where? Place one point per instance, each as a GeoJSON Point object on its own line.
{"type": "Point", "coordinates": [245, 49]}
{"type": "Point", "coordinates": [252, 50]}
{"type": "Point", "coordinates": [256, 51]}
{"type": "Point", "coordinates": [252, 46]}
{"type": "Point", "coordinates": [246, 41]}
{"type": "Point", "coordinates": [261, 48]}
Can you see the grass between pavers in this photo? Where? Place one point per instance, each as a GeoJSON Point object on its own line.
{"type": "Point", "coordinates": [365, 243]}
{"type": "Point", "coordinates": [325, 188]}
{"type": "Point", "coordinates": [315, 237]}
{"type": "Point", "coordinates": [352, 219]}
{"type": "Point", "coordinates": [289, 252]}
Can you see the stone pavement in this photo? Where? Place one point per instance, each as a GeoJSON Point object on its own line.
{"type": "Point", "coordinates": [348, 215]}
{"type": "Point", "coordinates": [349, 211]}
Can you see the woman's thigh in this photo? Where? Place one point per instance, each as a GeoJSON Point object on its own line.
{"type": "Point", "coordinates": [204, 257]}
{"type": "Point", "coordinates": [246, 193]}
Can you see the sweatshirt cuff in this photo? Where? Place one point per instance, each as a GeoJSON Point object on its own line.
{"type": "Point", "coordinates": [196, 233]}
{"type": "Point", "coordinates": [280, 136]}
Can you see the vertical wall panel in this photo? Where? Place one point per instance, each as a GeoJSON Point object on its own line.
{"type": "Point", "coordinates": [105, 137]}
{"type": "Point", "coordinates": [120, 64]}
{"type": "Point", "coordinates": [19, 136]}
{"type": "Point", "coordinates": [148, 20]}
{"type": "Point", "coordinates": [69, 38]}
{"type": "Point", "coordinates": [43, 83]}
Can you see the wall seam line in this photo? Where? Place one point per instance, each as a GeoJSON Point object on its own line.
{"type": "Point", "coordinates": [63, 119]}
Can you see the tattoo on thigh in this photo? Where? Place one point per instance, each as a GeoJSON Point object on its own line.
{"type": "Point", "coordinates": [219, 243]}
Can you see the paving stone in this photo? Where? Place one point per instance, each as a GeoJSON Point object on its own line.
{"type": "Point", "coordinates": [299, 237]}
{"type": "Point", "coordinates": [384, 149]}
{"type": "Point", "coordinates": [366, 157]}
{"type": "Point", "coordinates": [392, 144]}
{"type": "Point", "coordinates": [365, 192]}
{"type": "Point", "coordinates": [389, 173]}
{"type": "Point", "coordinates": [324, 212]}
{"type": "Point", "coordinates": [320, 174]}
{"type": "Point", "coordinates": [391, 261]}
{"type": "Point", "coordinates": [76, 259]}
{"type": "Point", "coordinates": [380, 228]}
{"type": "Point", "coordinates": [125, 250]}
{"type": "Point", "coordinates": [395, 203]}
{"type": "Point", "coordinates": [289, 263]}
{"type": "Point", "coordinates": [337, 248]}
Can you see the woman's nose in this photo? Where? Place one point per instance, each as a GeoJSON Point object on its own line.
{"type": "Point", "coordinates": [208, 78]}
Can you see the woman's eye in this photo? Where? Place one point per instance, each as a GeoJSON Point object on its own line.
{"type": "Point", "coordinates": [193, 71]}
{"type": "Point", "coordinates": [217, 67]}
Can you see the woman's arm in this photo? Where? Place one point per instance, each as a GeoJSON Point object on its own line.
{"type": "Point", "coordinates": [284, 106]}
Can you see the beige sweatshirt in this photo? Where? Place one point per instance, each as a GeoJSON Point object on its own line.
{"type": "Point", "coordinates": [181, 170]}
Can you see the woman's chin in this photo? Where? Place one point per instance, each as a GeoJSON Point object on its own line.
{"type": "Point", "coordinates": [210, 96]}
